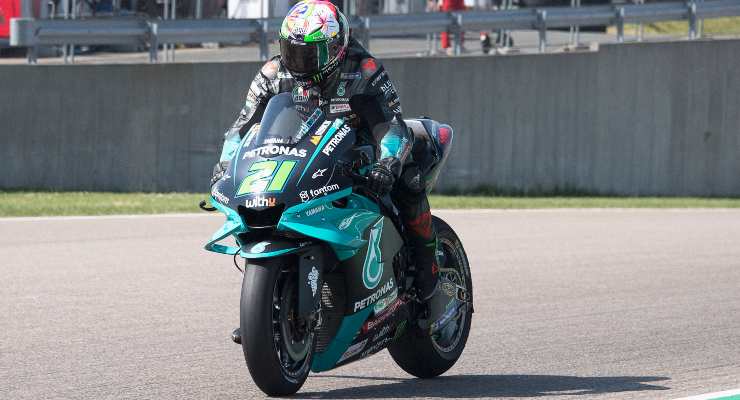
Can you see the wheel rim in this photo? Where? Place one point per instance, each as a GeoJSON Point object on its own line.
{"type": "Point", "coordinates": [292, 339]}
{"type": "Point", "coordinates": [450, 336]}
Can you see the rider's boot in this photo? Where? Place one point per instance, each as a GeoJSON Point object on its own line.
{"type": "Point", "coordinates": [434, 290]}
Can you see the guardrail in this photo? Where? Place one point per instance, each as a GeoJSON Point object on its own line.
{"type": "Point", "coordinates": [31, 33]}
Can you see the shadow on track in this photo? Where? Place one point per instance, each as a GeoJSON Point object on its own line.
{"type": "Point", "coordinates": [475, 386]}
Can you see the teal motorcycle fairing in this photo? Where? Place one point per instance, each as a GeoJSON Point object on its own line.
{"type": "Point", "coordinates": [290, 168]}
{"type": "Point", "coordinates": [363, 241]}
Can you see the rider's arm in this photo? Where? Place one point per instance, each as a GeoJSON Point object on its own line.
{"type": "Point", "coordinates": [264, 85]}
{"type": "Point", "coordinates": [379, 108]}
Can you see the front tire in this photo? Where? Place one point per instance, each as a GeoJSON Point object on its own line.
{"type": "Point", "coordinates": [420, 354]}
{"type": "Point", "coordinates": [278, 349]}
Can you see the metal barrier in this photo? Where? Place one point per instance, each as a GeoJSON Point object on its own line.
{"type": "Point", "coordinates": [31, 33]}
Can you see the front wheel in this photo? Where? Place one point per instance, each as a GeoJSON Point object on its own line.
{"type": "Point", "coordinates": [424, 355]}
{"type": "Point", "coordinates": [278, 346]}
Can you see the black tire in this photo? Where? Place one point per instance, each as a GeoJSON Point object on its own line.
{"type": "Point", "coordinates": [264, 284]}
{"type": "Point", "coordinates": [416, 351]}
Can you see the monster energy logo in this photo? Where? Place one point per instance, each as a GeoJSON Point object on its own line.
{"type": "Point", "coordinates": [372, 271]}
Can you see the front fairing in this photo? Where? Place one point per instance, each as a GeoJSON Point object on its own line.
{"type": "Point", "coordinates": [286, 171]}
{"type": "Point", "coordinates": [295, 178]}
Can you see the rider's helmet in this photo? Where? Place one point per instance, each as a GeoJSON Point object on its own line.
{"type": "Point", "coordinates": [313, 40]}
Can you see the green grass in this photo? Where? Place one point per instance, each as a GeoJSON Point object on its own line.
{"type": "Point", "coordinates": [16, 204]}
{"type": "Point", "coordinates": [712, 27]}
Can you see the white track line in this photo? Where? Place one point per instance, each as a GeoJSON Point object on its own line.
{"type": "Point", "coordinates": [715, 395]}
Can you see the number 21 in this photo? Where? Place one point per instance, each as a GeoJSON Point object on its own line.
{"type": "Point", "coordinates": [266, 176]}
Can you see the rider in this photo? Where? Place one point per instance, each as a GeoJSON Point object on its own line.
{"type": "Point", "coordinates": [324, 67]}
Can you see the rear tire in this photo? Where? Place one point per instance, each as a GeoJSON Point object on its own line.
{"type": "Point", "coordinates": [267, 294]}
{"type": "Point", "coordinates": [416, 352]}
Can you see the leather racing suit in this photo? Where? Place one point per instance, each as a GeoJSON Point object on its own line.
{"type": "Point", "coordinates": [361, 92]}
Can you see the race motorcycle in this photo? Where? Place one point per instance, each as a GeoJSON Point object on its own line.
{"type": "Point", "coordinates": [328, 278]}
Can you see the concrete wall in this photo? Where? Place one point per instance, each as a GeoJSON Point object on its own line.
{"type": "Point", "coordinates": [635, 119]}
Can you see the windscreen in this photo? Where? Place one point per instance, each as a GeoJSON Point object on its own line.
{"type": "Point", "coordinates": [281, 122]}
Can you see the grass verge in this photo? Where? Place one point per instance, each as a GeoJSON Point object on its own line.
{"type": "Point", "coordinates": [17, 204]}
{"type": "Point", "coordinates": [712, 27]}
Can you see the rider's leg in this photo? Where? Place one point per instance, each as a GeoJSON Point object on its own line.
{"type": "Point", "coordinates": [411, 199]}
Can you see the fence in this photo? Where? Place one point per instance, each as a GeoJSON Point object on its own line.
{"type": "Point", "coordinates": [32, 33]}
{"type": "Point", "coordinates": [633, 119]}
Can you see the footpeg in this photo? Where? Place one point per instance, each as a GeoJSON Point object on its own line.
{"type": "Point", "coordinates": [236, 336]}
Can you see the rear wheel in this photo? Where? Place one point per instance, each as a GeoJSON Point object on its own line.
{"type": "Point", "coordinates": [278, 346]}
{"type": "Point", "coordinates": [424, 355]}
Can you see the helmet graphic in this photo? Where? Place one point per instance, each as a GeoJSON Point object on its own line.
{"type": "Point", "coordinates": [313, 40]}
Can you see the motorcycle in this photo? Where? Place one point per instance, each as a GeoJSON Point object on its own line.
{"type": "Point", "coordinates": [328, 277]}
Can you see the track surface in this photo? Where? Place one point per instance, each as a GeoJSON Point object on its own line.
{"type": "Point", "coordinates": [590, 304]}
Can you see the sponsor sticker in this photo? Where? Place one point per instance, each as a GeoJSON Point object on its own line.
{"type": "Point", "coordinates": [339, 108]}
{"type": "Point", "coordinates": [323, 190]}
{"type": "Point", "coordinates": [341, 89]}
{"type": "Point", "coordinates": [372, 269]}
{"type": "Point", "coordinates": [307, 195]}
{"type": "Point", "coordinates": [387, 87]}
{"type": "Point", "coordinates": [315, 210]}
{"type": "Point", "coordinates": [219, 196]}
{"type": "Point", "coordinates": [313, 280]}
{"type": "Point", "coordinates": [359, 305]}
{"type": "Point", "coordinates": [385, 302]}
{"type": "Point", "coordinates": [347, 221]}
{"type": "Point", "coordinates": [260, 201]}
{"type": "Point", "coordinates": [377, 346]}
{"type": "Point", "coordinates": [353, 350]}
{"type": "Point", "coordinates": [335, 140]}
{"type": "Point", "coordinates": [319, 172]}
{"type": "Point", "coordinates": [383, 332]}
{"type": "Point", "coordinates": [373, 323]}
{"type": "Point", "coordinates": [274, 150]}
{"type": "Point", "coordinates": [350, 75]}
{"type": "Point", "coordinates": [316, 137]}
{"type": "Point", "coordinates": [450, 311]}
{"type": "Point", "coordinates": [377, 79]}
{"type": "Point", "coordinates": [300, 95]}
{"type": "Point", "coordinates": [274, 140]}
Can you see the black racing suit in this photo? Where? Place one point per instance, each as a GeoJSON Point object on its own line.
{"type": "Point", "coordinates": [361, 92]}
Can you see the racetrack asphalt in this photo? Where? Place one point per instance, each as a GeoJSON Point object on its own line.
{"type": "Point", "coordinates": [605, 304]}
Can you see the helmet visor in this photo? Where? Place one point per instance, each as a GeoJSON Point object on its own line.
{"type": "Point", "coordinates": [302, 59]}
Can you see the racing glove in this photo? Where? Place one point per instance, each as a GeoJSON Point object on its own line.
{"type": "Point", "coordinates": [383, 175]}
